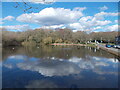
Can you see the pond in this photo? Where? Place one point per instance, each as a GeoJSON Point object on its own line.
{"type": "Point", "coordinates": [58, 67]}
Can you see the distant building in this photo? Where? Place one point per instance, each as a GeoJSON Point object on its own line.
{"type": "Point", "coordinates": [117, 40]}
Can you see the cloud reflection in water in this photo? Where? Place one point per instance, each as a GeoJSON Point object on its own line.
{"type": "Point", "coordinates": [59, 67]}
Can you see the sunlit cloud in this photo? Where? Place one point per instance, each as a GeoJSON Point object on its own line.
{"type": "Point", "coordinates": [112, 28]}
{"type": "Point", "coordinates": [103, 8]}
{"type": "Point", "coordinates": [9, 18]}
{"type": "Point", "coordinates": [16, 27]}
{"type": "Point", "coordinates": [54, 16]}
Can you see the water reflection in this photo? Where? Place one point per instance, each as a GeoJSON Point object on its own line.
{"type": "Point", "coordinates": [51, 66]}
{"type": "Point", "coordinates": [41, 84]}
{"type": "Point", "coordinates": [64, 52]}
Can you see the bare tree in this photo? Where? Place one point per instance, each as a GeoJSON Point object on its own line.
{"type": "Point", "coordinates": [27, 7]}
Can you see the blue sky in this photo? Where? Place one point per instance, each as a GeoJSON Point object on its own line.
{"type": "Point", "coordinates": [79, 16]}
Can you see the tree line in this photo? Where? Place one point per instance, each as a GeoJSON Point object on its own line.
{"type": "Point", "coordinates": [42, 36]}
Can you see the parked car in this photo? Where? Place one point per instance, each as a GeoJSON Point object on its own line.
{"type": "Point", "coordinates": [108, 46]}
{"type": "Point", "coordinates": [117, 46]}
{"type": "Point", "coordinates": [112, 45]}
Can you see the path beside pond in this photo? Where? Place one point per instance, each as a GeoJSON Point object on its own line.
{"type": "Point", "coordinates": [111, 50]}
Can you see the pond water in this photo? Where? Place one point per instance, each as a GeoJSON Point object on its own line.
{"type": "Point", "coordinates": [58, 67]}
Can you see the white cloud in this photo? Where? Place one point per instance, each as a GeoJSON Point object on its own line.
{"type": "Point", "coordinates": [116, 21]}
{"type": "Point", "coordinates": [89, 23]}
{"type": "Point", "coordinates": [112, 28]}
{"type": "Point", "coordinates": [16, 27]}
{"type": "Point", "coordinates": [51, 16]}
{"type": "Point", "coordinates": [53, 27]}
{"type": "Point", "coordinates": [84, 19]}
{"type": "Point", "coordinates": [100, 23]}
{"type": "Point", "coordinates": [42, 1]}
{"type": "Point", "coordinates": [77, 26]}
{"type": "Point", "coordinates": [9, 18]}
{"type": "Point", "coordinates": [101, 15]}
{"type": "Point", "coordinates": [80, 8]}
{"type": "Point", "coordinates": [103, 8]}
{"type": "Point", "coordinates": [93, 23]}
{"type": "Point", "coordinates": [1, 22]}
{"type": "Point", "coordinates": [96, 28]}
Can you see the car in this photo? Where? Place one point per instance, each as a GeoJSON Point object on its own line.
{"type": "Point", "coordinates": [108, 46]}
{"type": "Point", "coordinates": [117, 46]}
{"type": "Point", "coordinates": [112, 45]}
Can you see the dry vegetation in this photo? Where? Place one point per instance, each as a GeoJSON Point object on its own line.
{"type": "Point", "coordinates": [41, 36]}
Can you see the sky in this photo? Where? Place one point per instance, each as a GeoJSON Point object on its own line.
{"type": "Point", "coordinates": [79, 16]}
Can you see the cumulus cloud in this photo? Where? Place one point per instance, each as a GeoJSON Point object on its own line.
{"type": "Point", "coordinates": [80, 8]}
{"type": "Point", "coordinates": [103, 8]}
{"type": "Point", "coordinates": [112, 28]}
{"type": "Point", "coordinates": [97, 28]}
{"type": "Point", "coordinates": [59, 18]}
{"type": "Point", "coordinates": [101, 15]}
{"type": "Point", "coordinates": [53, 27]}
{"type": "Point", "coordinates": [101, 23]}
{"type": "Point", "coordinates": [89, 23]}
{"type": "Point", "coordinates": [93, 23]}
{"type": "Point", "coordinates": [9, 18]}
{"type": "Point", "coordinates": [116, 21]}
{"type": "Point", "coordinates": [16, 27]}
{"type": "Point", "coordinates": [77, 26]}
{"type": "Point", "coordinates": [1, 22]}
{"type": "Point", "coordinates": [51, 16]}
